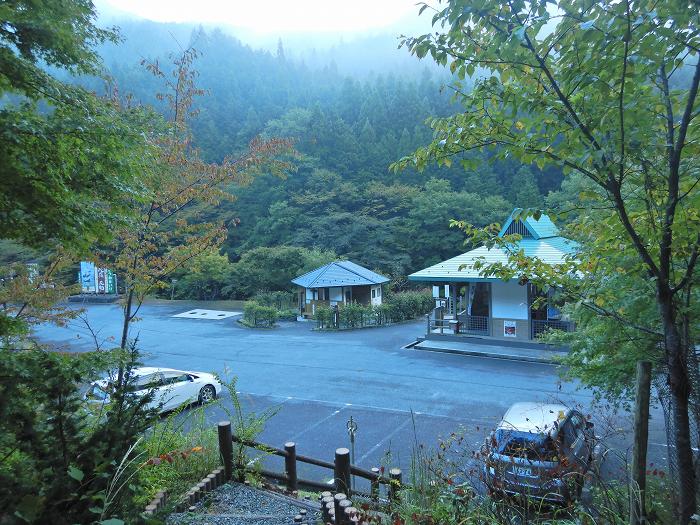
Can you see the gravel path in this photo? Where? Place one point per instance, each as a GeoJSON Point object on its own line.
{"type": "Point", "coordinates": [235, 504]}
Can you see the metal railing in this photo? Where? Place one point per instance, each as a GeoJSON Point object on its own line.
{"type": "Point", "coordinates": [473, 324]}
{"type": "Point", "coordinates": [539, 327]}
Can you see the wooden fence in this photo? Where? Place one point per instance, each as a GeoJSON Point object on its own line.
{"type": "Point", "coordinates": [341, 467]}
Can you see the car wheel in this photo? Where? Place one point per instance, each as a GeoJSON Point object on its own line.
{"type": "Point", "coordinates": [207, 394]}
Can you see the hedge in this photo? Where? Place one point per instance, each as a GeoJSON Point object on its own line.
{"type": "Point", "coordinates": [398, 307]}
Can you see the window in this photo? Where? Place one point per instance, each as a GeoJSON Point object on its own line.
{"type": "Point", "coordinates": [173, 379]}
{"type": "Point", "coordinates": [379, 291]}
{"type": "Point", "coordinates": [374, 293]}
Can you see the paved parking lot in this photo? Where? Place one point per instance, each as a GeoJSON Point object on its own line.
{"type": "Point", "coordinates": [398, 397]}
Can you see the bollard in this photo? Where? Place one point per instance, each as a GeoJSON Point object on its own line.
{"type": "Point", "coordinates": [336, 503]}
{"type": "Point", "coordinates": [212, 480]}
{"type": "Point", "coordinates": [350, 515]}
{"type": "Point", "coordinates": [207, 484]}
{"type": "Point", "coordinates": [330, 511]}
{"type": "Point", "coordinates": [341, 515]}
{"type": "Point", "coordinates": [297, 518]}
{"type": "Point", "coordinates": [226, 448]}
{"type": "Point", "coordinates": [191, 508]}
{"type": "Point", "coordinates": [394, 484]}
{"type": "Point", "coordinates": [191, 497]}
{"type": "Point", "coordinates": [374, 490]}
{"type": "Point", "coordinates": [290, 465]}
{"type": "Point", "coordinates": [151, 509]}
{"type": "Point", "coordinates": [220, 476]}
{"type": "Point", "coordinates": [342, 470]}
{"type": "Point", "coordinates": [304, 516]}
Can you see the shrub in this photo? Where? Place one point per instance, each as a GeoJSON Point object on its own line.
{"type": "Point", "coordinates": [280, 300]}
{"type": "Point", "coordinates": [323, 317]}
{"type": "Point", "coordinates": [175, 458]}
{"type": "Point", "coordinates": [62, 463]}
{"type": "Point", "coordinates": [352, 315]}
{"type": "Point", "coordinates": [408, 305]}
{"type": "Point", "coordinates": [257, 315]}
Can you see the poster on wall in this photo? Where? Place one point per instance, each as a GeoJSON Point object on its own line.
{"type": "Point", "coordinates": [510, 329]}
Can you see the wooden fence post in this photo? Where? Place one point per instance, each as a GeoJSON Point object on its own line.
{"type": "Point", "coordinates": [290, 465]}
{"type": "Point", "coordinates": [226, 448]}
{"type": "Point", "coordinates": [374, 484]}
{"type": "Point", "coordinates": [394, 484]}
{"type": "Point", "coordinates": [641, 438]}
{"type": "Point", "coordinates": [342, 470]}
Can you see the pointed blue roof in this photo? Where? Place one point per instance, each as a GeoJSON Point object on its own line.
{"type": "Point", "coordinates": [544, 243]}
{"type": "Point", "coordinates": [541, 228]}
{"type": "Point", "coordinates": [339, 273]}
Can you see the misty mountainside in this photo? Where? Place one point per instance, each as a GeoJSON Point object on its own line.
{"type": "Point", "coordinates": [347, 129]}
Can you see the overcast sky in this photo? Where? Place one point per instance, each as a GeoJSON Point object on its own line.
{"type": "Point", "coordinates": [273, 16]}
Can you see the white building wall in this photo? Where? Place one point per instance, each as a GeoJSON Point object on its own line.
{"type": "Point", "coordinates": [508, 300]}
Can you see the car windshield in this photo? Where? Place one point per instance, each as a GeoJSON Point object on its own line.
{"type": "Point", "coordinates": [98, 392]}
{"type": "Point", "coordinates": [527, 445]}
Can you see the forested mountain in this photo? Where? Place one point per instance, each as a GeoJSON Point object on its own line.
{"type": "Point", "coordinates": [341, 196]}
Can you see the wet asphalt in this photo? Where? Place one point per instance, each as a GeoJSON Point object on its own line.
{"type": "Point", "coordinates": [315, 381]}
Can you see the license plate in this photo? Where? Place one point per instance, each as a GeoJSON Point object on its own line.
{"type": "Point", "coordinates": [522, 471]}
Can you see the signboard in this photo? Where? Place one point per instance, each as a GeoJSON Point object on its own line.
{"type": "Point", "coordinates": [96, 280]}
{"type": "Point", "coordinates": [111, 282]}
{"type": "Point", "coordinates": [87, 277]}
{"type": "Point", "coordinates": [510, 329]}
{"type": "Point", "coordinates": [101, 280]}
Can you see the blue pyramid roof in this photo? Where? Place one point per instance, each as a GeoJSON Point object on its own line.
{"type": "Point", "coordinates": [339, 273]}
{"type": "Point", "coordinates": [541, 228]}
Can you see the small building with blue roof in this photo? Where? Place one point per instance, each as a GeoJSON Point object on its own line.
{"type": "Point", "coordinates": [336, 283]}
{"type": "Point", "coordinates": [468, 303]}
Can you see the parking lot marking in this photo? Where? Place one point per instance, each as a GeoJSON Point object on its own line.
{"type": "Point", "coordinates": [201, 313]}
{"type": "Point", "coordinates": [386, 438]}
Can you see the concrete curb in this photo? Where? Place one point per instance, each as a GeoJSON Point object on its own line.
{"type": "Point", "coordinates": [491, 355]}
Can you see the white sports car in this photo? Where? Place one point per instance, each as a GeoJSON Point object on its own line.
{"type": "Point", "coordinates": [171, 388]}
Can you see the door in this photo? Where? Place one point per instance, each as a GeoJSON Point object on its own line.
{"type": "Point", "coordinates": [146, 384]}
{"type": "Point", "coordinates": [178, 388]}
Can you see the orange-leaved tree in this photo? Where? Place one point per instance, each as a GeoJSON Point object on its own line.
{"type": "Point", "coordinates": [167, 229]}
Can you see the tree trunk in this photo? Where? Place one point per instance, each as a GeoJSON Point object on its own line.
{"type": "Point", "coordinates": [679, 384]}
{"type": "Point", "coordinates": [127, 320]}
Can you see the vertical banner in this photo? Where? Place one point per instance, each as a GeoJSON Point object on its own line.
{"type": "Point", "coordinates": [111, 282]}
{"type": "Point", "coordinates": [87, 277]}
{"type": "Point", "coordinates": [101, 280]}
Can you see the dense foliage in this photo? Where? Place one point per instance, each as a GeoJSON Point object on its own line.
{"type": "Point", "coordinates": [86, 148]}
{"type": "Point", "coordinates": [59, 462]}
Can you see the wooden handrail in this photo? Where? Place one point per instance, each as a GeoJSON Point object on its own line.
{"type": "Point", "coordinates": [355, 470]}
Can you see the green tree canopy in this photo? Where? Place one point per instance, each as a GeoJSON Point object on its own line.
{"type": "Point", "coordinates": [69, 157]}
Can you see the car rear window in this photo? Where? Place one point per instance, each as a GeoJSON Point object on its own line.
{"type": "Point", "coordinates": [526, 445]}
